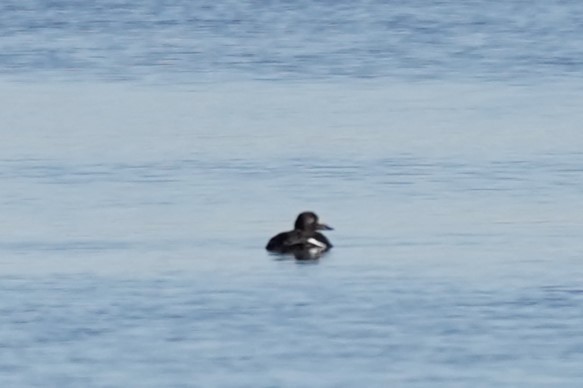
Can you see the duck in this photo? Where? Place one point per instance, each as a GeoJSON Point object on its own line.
{"type": "Point", "coordinates": [304, 241]}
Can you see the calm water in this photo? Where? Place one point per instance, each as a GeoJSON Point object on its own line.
{"type": "Point", "coordinates": [150, 150]}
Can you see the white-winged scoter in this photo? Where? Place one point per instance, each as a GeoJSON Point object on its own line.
{"type": "Point", "coordinates": [304, 242]}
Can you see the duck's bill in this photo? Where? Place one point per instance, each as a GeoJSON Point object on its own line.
{"type": "Point", "coordinates": [324, 227]}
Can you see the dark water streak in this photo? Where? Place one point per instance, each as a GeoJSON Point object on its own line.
{"type": "Point", "coordinates": [185, 41]}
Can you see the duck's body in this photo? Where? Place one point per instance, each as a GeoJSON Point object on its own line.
{"type": "Point", "coordinates": [304, 241]}
{"type": "Point", "coordinates": [287, 242]}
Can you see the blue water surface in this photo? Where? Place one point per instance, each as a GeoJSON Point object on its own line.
{"type": "Point", "coordinates": [150, 149]}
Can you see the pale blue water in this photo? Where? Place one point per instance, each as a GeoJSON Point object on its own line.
{"type": "Point", "coordinates": [149, 150]}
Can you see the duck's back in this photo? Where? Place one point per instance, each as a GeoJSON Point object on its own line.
{"type": "Point", "coordinates": [283, 242]}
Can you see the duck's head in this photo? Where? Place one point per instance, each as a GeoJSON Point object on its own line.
{"type": "Point", "coordinates": [308, 221]}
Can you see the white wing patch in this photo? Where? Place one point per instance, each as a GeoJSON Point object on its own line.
{"type": "Point", "coordinates": [317, 243]}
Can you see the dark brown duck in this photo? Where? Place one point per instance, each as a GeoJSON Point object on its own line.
{"type": "Point", "coordinates": [305, 240]}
